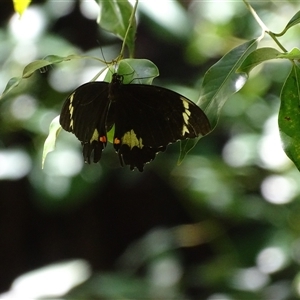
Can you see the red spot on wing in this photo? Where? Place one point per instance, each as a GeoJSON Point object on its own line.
{"type": "Point", "coordinates": [117, 141]}
{"type": "Point", "coordinates": [102, 139]}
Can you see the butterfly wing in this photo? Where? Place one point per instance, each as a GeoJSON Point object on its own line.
{"type": "Point", "coordinates": [84, 113]}
{"type": "Point", "coordinates": [148, 118]}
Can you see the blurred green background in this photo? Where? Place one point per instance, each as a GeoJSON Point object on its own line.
{"type": "Point", "coordinates": [223, 225]}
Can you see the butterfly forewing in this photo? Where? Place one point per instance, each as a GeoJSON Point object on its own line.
{"type": "Point", "coordinates": [84, 114]}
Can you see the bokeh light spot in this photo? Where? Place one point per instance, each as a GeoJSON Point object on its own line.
{"type": "Point", "coordinates": [169, 15]}
{"type": "Point", "coordinates": [50, 281]}
{"type": "Point", "coordinates": [30, 26]}
{"type": "Point", "coordinates": [219, 297]}
{"type": "Point", "coordinates": [23, 107]}
{"type": "Point", "coordinates": [278, 189]}
{"type": "Point", "coordinates": [89, 9]}
{"type": "Point", "coordinates": [240, 150]}
{"type": "Point", "coordinates": [270, 147]}
{"type": "Point", "coordinates": [250, 279]}
{"type": "Point", "coordinates": [64, 163]}
{"type": "Point", "coordinates": [14, 164]}
{"type": "Point", "coordinates": [165, 272]}
{"type": "Point", "coordinates": [270, 260]}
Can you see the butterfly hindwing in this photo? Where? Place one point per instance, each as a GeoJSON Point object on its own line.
{"type": "Point", "coordinates": [84, 113]}
{"type": "Point", "coordinates": [148, 118]}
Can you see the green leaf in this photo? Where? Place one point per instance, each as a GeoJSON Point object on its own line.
{"type": "Point", "coordinates": [257, 57]}
{"type": "Point", "coordinates": [294, 21]}
{"type": "Point", "coordinates": [293, 54]}
{"type": "Point", "coordinates": [54, 59]}
{"type": "Point", "coordinates": [12, 83]}
{"type": "Point", "coordinates": [289, 116]}
{"type": "Point", "coordinates": [33, 66]}
{"type": "Point", "coordinates": [185, 147]}
{"type": "Point", "coordinates": [220, 82]}
{"type": "Point", "coordinates": [111, 134]}
{"type": "Point", "coordinates": [141, 71]}
{"type": "Point", "coordinates": [115, 17]}
{"type": "Point", "coordinates": [50, 141]}
{"type": "Point", "coordinates": [48, 60]}
{"type": "Point", "coordinates": [39, 64]}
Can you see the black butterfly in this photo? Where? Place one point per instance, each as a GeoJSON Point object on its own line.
{"type": "Point", "coordinates": [147, 118]}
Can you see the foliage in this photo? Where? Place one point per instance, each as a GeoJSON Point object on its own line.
{"type": "Point", "coordinates": [243, 204]}
{"type": "Point", "coordinates": [222, 80]}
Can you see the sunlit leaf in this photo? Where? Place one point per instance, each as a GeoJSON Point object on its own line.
{"type": "Point", "coordinates": [20, 6]}
{"type": "Point", "coordinates": [141, 71]}
{"type": "Point", "coordinates": [293, 54]}
{"type": "Point", "coordinates": [257, 57]}
{"type": "Point", "coordinates": [115, 17]}
{"type": "Point", "coordinates": [50, 141]}
{"type": "Point", "coordinates": [48, 60]}
{"type": "Point", "coordinates": [12, 83]}
{"type": "Point", "coordinates": [294, 21]}
{"type": "Point", "coordinates": [54, 59]}
{"type": "Point", "coordinates": [111, 134]}
{"type": "Point", "coordinates": [138, 70]}
{"type": "Point", "coordinates": [33, 66]}
{"type": "Point", "coordinates": [289, 116]}
{"type": "Point", "coordinates": [40, 65]}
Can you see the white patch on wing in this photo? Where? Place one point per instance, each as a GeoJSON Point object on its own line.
{"type": "Point", "coordinates": [186, 115]}
{"type": "Point", "coordinates": [130, 139]}
{"type": "Point", "coordinates": [95, 136]}
{"type": "Point", "coordinates": [71, 125]}
{"type": "Point", "coordinates": [184, 130]}
{"type": "Point", "coordinates": [71, 110]}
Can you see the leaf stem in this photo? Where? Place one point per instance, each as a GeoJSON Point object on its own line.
{"type": "Point", "coordinates": [131, 21]}
{"type": "Point", "coordinates": [264, 28]}
{"type": "Point", "coordinates": [273, 36]}
{"type": "Point", "coordinates": [256, 17]}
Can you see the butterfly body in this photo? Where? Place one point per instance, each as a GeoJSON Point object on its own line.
{"type": "Point", "coordinates": [147, 118]}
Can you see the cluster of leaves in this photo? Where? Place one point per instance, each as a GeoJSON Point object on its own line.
{"type": "Point", "coordinates": [245, 210]}
{"type": "Point", "coordinates": [220, 82]}
{"type": "Point", "coordinates": [231, 72]}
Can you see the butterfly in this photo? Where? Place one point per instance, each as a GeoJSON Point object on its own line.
{"type": "Point", "coordinates": [146, 118]}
